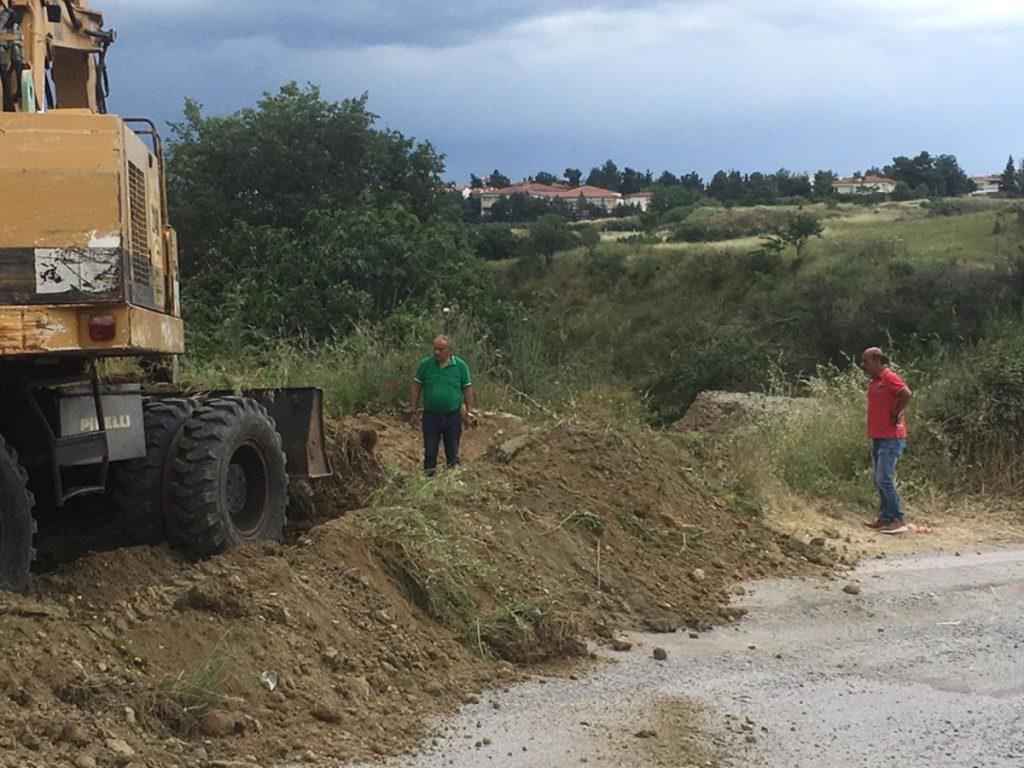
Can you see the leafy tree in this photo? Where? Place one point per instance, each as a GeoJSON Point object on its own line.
{"type": "Point", "coordinates": [760, 189]}
{"type": "Point", "coordinates": [913, 171]}
{"type": "Point", "coordinates": [550, 234]}
{"type": "Point", "coordinates": [1008, 183]}
{"type": "Point", "coordinates": [823, 181]}
{"type": "Point", "coordinates": [519, 207]}
{"type": "Point", "coordinates": [952, 179]}
{"type": "Point", "coordinates": [299, 217]}
{"type": "Point", "coordinates": [792, 184]}
{"type": "Point", "coordinates": [573, 176]}
{"type": "Point", "coordinates": [727, 187]}
{"type": "Point", "coordinates": [543, 177]}
{"type": "Point", "coordinates": [633, 181]}
{"type": "Point", "coordinates": [942, 175]}
{"type": "Point", "coordinates": [606, 177]}
{"type": "Point", "coordinates": [902, 192]}
{"type": "Point", "coordinates": [667, 179]}
{"type": "Point", "coordinates": [293, 153]}
{"type": "Point", "coordinates": [352, 266]}
{"type": "Point", "coordinates": [589, 238]}
{"type": "Point", "coordinates": [798, 229]}
{"type": "Point", "coordinates": [498, 179]}
{"type": "Point", "coordinates": [472, 210]}
{"type": "Point", "coordinates": [475, 182]}
{"type": "Point", "coordinates": [496, 242]}
{"type": "Point", "coordinates": [667, 198]}
{"type": "Point", "coordinates": [692, 182]}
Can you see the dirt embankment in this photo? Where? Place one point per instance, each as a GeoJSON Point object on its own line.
{"type": "Point", "coordinates": [329, 647]}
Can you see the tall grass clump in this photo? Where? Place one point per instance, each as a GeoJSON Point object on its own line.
{"type": "Point", "coordinates": [974, 412]}
{"type": "Point", "coordinates": [515, 363]}
{"type": "Point", "coordinates": [819, 446]}
{"type": "Point", "coordinates": [428, 547]}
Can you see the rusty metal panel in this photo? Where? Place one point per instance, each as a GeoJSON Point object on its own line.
{"type": "Point", "coordinates": [35, 330]}
{"type": "Point", "coordinates": [298, 413]}
{"type": "Point", "coordinates": [156, 333]}
{"type": "Point", "coordinates": [65, 330]}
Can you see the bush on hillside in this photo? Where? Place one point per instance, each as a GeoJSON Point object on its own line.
{"type": "Point", "coordinates": [350, 267]}
{"type": "Point", "coordinates": [299, 218]}
{"type": "Point", "coordinates": [975, 409]}
{"type": "Point", "coordinates": [709, 225]}
{"type": "Point", "coordinates": [496, 242]}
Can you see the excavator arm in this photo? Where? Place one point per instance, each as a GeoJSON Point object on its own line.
{"type": "Point", "coordinates": [53, 55]}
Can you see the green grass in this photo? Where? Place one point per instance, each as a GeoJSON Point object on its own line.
{"type": "Point", "coordinates": [428, 546]}
{"type": "Point", "coordinates": [525, 631]}
{"type": "Point", "coordinates": [922, 239]}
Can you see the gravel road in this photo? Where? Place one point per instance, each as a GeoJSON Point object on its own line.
{"type": "Point", "coordinates": [924, 668]}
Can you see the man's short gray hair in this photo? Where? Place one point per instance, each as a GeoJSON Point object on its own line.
{"type": "Point", "coordinates": [445, 339]}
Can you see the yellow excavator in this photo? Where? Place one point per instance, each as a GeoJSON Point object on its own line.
{"type": "Point", "coordinates": [89, 270]}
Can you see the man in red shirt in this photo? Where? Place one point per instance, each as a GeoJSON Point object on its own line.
{"type": "Point", "coordinates": [888, 396]}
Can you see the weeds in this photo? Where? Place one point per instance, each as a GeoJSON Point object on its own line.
{"type": "Point", "coordinates": [526, 632]}
{"type": "Point", "coordinates": [582, 518]}
{"type": "Point", "coordinates": [637, 526]}
{"type": "Point", "coordinates": [178, 702]}
{"type": "Point", "coordinates": [695, 538]}
{"type": "Point", "coordinates": [414, 525]}
{"type": "Point", "coordinates": [201, 689]}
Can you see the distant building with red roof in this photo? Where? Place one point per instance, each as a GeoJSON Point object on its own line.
{"type": "Point", "coordinates": [603, 198]}
{"type": "Point", "coordinates": [987, 185]}
{"type": "Point", "coordinates": [864, 185]}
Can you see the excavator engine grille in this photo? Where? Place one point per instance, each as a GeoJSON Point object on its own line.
{"type": "Point", "coordinates": [138, 206]}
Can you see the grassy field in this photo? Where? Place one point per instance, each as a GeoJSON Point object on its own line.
{"type": "Point", "coordinates": [913, 231]}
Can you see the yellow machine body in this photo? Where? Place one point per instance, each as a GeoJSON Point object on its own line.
{"type": "Point", "coordinates": [84, 239]}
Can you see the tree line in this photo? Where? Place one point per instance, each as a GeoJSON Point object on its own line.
{"type": "Point", "coordinates": [924, 175]}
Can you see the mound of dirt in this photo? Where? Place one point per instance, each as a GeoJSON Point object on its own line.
{"type": "Point", "coordinates": [724, 412]}
{"type": "Point", "coordinates": [316, 652]}
{"type": "Point", "coordinates": [165, 655]}
{"type": "Point", "coordinates": [619, 534]}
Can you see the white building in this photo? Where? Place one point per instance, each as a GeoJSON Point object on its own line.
{"type": "Point", "coordinates": [602, 198]}
{"type": "Point", "coordinates": [864, 185]}
{"type": "Point", "coordinates": [987, 185]}
{"type": "Point", "coordinates": [641, 200]}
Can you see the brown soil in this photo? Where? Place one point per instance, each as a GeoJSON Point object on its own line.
{"type": "Point", "coordinates": [139, 657]}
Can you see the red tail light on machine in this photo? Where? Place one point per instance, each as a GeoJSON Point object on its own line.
{"type": "Point", "coordinates": [102, 327]}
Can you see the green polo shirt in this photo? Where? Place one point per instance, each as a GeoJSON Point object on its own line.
{"type": "Point", "coordinates": [443, 385]}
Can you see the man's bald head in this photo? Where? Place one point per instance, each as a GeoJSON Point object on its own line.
{"type": "Point", "coordinates": [442, 349]}
{"type": "Point", "coordinates": [874, 360]}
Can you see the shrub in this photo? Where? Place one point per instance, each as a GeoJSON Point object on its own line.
{"type": "Point", "coordinates": [496, 242]}
{"type": "Point", "coordinates": [819, 447]}
{"type": "Point", "coordinates": [709, 225]}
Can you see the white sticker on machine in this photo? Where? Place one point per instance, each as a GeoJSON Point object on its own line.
{"type": "Point", "coordinates": [83, 270]}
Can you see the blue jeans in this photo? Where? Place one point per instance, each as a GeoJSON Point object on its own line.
{"type": "Point", "coordinates": [438, 427]}
{"type": "Point", "coordinates": [885, 453]}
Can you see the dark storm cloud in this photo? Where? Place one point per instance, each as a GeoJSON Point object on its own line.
{"type": "Point", "coordinates": [676, 84]}
{"type": "Point", "coordinates": [330, 23]}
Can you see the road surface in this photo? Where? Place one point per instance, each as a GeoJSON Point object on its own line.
{"type": "Point", "coordinates": [924, 668]}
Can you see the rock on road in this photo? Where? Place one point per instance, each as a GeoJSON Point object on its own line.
{"type": "Point", "coordinates": [923, 668]}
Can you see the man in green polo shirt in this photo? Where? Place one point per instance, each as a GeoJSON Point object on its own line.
{"type": "Point", "coordinates": [443, 381]}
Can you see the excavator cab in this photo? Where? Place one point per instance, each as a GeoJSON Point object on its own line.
{"type": "Point", "coordinates": [88, 270]}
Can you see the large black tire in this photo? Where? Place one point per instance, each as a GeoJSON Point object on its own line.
{"type": "Point", "coordinates": [17, 526]}
{"type": "Point", "coordinates": [229, 486]}
{"type": "Point", "coordinates": [139, 488]}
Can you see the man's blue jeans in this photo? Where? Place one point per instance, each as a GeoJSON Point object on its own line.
{"type": "Point", "coordinates": [438, 427]}
{"type": "Point", "coordinates": [885, 453]}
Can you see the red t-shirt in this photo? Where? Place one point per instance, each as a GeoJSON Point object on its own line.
{"type": "Point", "coordinates": [883, 393]}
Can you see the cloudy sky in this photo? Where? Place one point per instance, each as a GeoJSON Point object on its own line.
{"type": "Point", "coordinates": [530, 85]}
